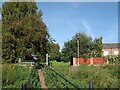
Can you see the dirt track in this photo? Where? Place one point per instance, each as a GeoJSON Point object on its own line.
{"type": "Point", "coordinates": [42, 79]}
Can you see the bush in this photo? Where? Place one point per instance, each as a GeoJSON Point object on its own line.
{"type": "Point", "coordinates": [14, 76]}
{"type": "Point", "coordinates": [113, 59]}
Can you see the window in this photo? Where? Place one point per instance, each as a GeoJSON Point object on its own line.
{"type": "Point", "coordinates": [116, 52]}
{"type": "Point", "coordinates": [105, 53]}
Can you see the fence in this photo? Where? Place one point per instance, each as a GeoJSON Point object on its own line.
{"type": "Point", "coordinates": [62, 82]}
{"type": "Point", "coordinates": [88, 61]}
{"type": "Point", "coordinates": [58, 80]}
{"type": "Point", "coordinates": [26, 86]}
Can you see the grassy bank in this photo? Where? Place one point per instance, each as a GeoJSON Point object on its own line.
{"type": "Point", "coordinates": [102, 76]}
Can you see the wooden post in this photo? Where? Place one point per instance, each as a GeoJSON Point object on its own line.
{"type": "Point", "coordinates": [74, 61]}
{"type": "Point", "coordinates": [91, 61]}
{"type": "Point", "coordinates": [47, 59]}
{"type": "Point", "coordinates": [107, 61]}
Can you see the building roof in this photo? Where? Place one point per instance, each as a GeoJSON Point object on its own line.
{"type": "Point", "coordinates": [111, 45]}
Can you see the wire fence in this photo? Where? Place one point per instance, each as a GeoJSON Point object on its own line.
{"type": "Point", "coordinates": [27, 85]}
{"type": "Point", "coordinates": [55, 80]}
{"type": "Point", "coordinates": [58, 80]}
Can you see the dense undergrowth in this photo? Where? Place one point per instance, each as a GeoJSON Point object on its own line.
{"type": "Point", "coordinates": [102, 76]}
{"type": "Point", "coordinates": [13, 76]}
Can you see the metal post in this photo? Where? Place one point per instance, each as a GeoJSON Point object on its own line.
{"type": "Point", "coordinates": [24, 86]}
{"type": "Point", "coordinates": [78, 46]}
{"type": "Point", "coordinates": [91, 85]}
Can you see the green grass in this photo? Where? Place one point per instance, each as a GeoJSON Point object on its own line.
{"type": "Point", "coordinates": [102, 76]}
{"type": "Point", "coordinates": [14, 75]}
{"type": "Point", "coordinates": [59, 64]}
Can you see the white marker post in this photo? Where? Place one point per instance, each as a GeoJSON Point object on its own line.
{"type": "Point", "coordinates": [47, 59]}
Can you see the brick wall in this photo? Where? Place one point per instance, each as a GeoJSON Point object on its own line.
{"type": "Point", "coordinates": [88, 61]}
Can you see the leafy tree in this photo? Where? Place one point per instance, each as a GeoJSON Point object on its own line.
{"type": "Point", "coordinates": [87, 47]}
{"type": "Point", "coordinates": [53, 50]}
{"type": "Point", "coordinates": [70, 47]}
{"type": "Point", "coordinates": [97, 47]}
{"type": "Point", "coordinates": [24, 32]}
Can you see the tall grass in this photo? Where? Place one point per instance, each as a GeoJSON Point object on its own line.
{"type": "Point", "coordinates": [102, 76]}
{"type": "Point", "coordinates": [13, 76]}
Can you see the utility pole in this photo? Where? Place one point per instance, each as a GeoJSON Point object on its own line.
{"type": "Point", "coordinates": [78, 46]}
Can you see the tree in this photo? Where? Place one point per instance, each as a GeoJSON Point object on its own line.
{"type": "Point", "coordinates": [97, 47]}
{"type": "Point", "coordinates": [86, 45]}
{"type": "Point", "coordinates": [53, 50]}
{"type": "Point", "coordinates": [70, 47]}
{"type": "Point", "coordinates": [24, 32]}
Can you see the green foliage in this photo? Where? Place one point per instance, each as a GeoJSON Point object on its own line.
{"type": "Point", "coordinates": [70, 47]}
{"type": "Point", "coordinates": [102, 76]}
{"type": "Point", "coordinates": [34, 83]}
{"type": "Point", "coordinates": [8, 44]}
{"type": "Point", "coordinates": [54, 81]}
{"type": "Point", "coordinates": [97, 47]}
{"type": "Point", "coordinates": [87, 47]}
{"type": "Point", "coordinates": [13, 76]}
{"type": "Point", "coordinates": [53, 51]}
{"type": "Point", "coordinates": [113, 59]}
{"type": "Point", "coordinates": [24, 32]}
{"type": "Point", "coordinates": [13, 11]}
{"type": "Point", "coordinates": [86, 73]}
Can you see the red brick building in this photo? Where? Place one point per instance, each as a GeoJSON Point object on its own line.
{"type": "Point", "coordinates": [111, 49]}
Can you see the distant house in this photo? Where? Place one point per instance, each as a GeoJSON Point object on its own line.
{"type": "Point", "coordinates": [111, 49]}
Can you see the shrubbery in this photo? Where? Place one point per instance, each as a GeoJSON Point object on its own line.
{"type": "Point", "coordinates": [13, 76]}
{"type": "Point", "coordinates": [113, 59]}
